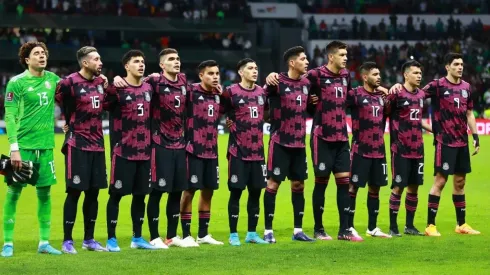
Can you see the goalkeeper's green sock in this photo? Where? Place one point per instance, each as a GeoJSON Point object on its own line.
{"type": "Point", "coordinates": [9, 211]}
{"type": "Point", "coordinates": [44, 213]}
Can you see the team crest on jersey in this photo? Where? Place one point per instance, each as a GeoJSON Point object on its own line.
{"type": "Point", "coordinates": [184, 91]}
{"type": "Point", "coordinates": [305, 90]}
{"type": "Point", "coordinates": [321, 166]}
{"type": "Point", "coordinates": [464, 93]}
{"type": "Point", "coordinates": [355, 178]}
{"type": "Point", "coordinates": [234, 179]}
{"type": "Point", "coordinates": [277, 171]}
{"type": "Point", "coordinates": [398, 178]}
{"type": "Point", "coordinates": [147, 96]}
{"type": "Point", "coordinates": [76, 179]}
{"type": "Point", "coordinates": [421, 101]}
{"type": "Point", "coordinates": [162, 182]}
{"type": "Point", "coordinates": [344, 81]}
{"type": "Point", "coordinates": [260, 100]}
{"type": "Point", "coordinates": [445, 166]}
{"type": "Point", "coordinates": [47, 84]}
{"type": "Point", "coordinates": [118, 184]}
{"type": "Point", "coordinates": [194, 179]}
{"type": "Point", "coordinates": [100, 89]}
{"type": "Point", "coordinates": [216, 98]}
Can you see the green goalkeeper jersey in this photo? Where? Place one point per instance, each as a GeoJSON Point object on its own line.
{"type": "Point", "coordinates": [29, 110]}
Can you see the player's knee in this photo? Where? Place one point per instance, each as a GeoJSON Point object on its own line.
{"type": "Point", "coordinates": [372, 189]}
{"type": "Point", "coordinates": [74, 193]}
{"type": "Point", "coordinates": [459, 182]}
{"type": "Point", "coordinates": [297, 185]}
{"type": "Point", "coordinates": [207, 194]}
{"type": "Point", "coordinates": [412, 189]}
{"type": "Point", "coordinates": [272, 184]}
{"type": "Point", "coordinates": [353, 188]}
{"type": "Point", "coordinates": [397, 190]}
{"type": "Point", "coordinates": [440, 181]}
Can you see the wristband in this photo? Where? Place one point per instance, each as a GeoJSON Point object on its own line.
{"type": "Point", "coordinates": [14, 147]}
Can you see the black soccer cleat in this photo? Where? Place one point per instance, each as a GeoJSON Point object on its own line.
{"type": "Point", "coordinates": [412, 231]}
{"type": "Point", "coordinates": [394, 232]}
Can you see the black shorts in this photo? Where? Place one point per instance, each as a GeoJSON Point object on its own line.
{"type": "Point", "coordinates": [452, 160]}
{"type": "Point", "coordinates": [250, 174]}
{"type": "Point", "coordinates": [129, 176]}
{"type": "Point", "coordinates": [405, 171]}
{"type": "Point", "coordinates": [374, 171]}
{"type": "Point", "coordinates": [168, 169]}
{"type": "Point", "coordinates": [84, 170]}
{"type": "Point", "coordinates": [202, 173]}
{"type": "Point", "coordinates": [285, 162]}
{"type": "Point", "coordinates": [329, 157]}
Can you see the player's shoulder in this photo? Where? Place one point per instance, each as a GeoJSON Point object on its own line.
{"type": "Point", "coordinates": [304, 80]}
{"type": "Point", "coordinates": [51, 75]}
{"type": "Point", "coordinates": [182, 77]}
{"type": "Point", "coordinates": [19, 77]}
{"type": "Point", "coordinates": [344, 73]}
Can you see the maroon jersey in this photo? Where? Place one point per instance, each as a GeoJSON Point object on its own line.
{"type": "Point", "coordinates": [203, 112]}
{"type": "Point", "coordinates": [129, 110]}
{"type": "Point", "coordinates": [245, 107]}
{"type": "Point", "coordinates": [449, 104]}
{"type": "Point", "coordinates": [288, 102]}
{"type": "Point", "coordinates": [329, 121]}
{"type": "Point", "coordinates": [368, 122]}
{"type": "Point", "coordinates": [168, 110]}
{"type": "Point", "coordinates": [405, 113]}
{"type": "Point", "coordinates": [81, 100]}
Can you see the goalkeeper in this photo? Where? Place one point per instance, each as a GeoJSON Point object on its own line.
{"type": "Point", "coordinates": [29, 118]}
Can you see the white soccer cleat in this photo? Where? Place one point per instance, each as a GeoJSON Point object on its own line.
{"type": "Point", "coordinates": [189, 242]}
{"type": "Point", "coordinates": [354, 232]}
{"type": "Point", "coordinates": [377, 233]}
{"type": "Point", "coordinates": [175, 241]}
{"type": "Point", "coordinates": [158, 243]}
{"type": "Point", "coordinates": [208, 239]}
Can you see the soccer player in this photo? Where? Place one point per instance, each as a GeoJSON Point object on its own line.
{"type": "Point", "coordinates": [244, 104]}
{"type": "Point", "coordinates": [368, 147]}
{"type": "Point", "coordinates": [131, 148]}
{"type": "Point", "coordinates": [407, 147]}
{"type": "Point", "coordinates": [287, 153]}
{"type": "Point", "coordinates": [80, 95]}
{"type": "Point", "coordinates": [451, 99]}
{"type": "Point", "coordinates": [203, 112]}
{"type": "Point", "coordinates": [29, 118]}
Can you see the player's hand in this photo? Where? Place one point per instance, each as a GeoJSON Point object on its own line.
{"type": "Point", "coordinates": [476, 144]}
{"type": "Point", "coordinates": [229, 123]}
{"type": "Point", "coordinates": [16, 160]}
{"type": "Point", "coordinates": [219, 88]}
{"type": "Point", "coordinates": [119, 82]}
{"type": "Point", "coordinates": [24, 173]}
{"type": "Point", "coordinates": [395, 88]}
{"type": "Point", "coordinates": [150, 76]}
{"type": "Point", "coordinates": [314, 99]}
{"type": "Point", "coordinates": [65, 128]}
{"type": "Point", "coordinates": [383, 90]}
{"type": "Point", "coordinates": [106, 81]}
{"type": "Point", "coordinates": [272, 79]}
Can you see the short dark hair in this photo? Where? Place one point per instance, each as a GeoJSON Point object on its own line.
{"type": "Point", "coordinates": [84, 51]}
{"type": "Point", "coordinates": [26, 49]}
{"type": "Point", "coordinates": [167, 51]}
{"type": "Point", "coordinates": [293, 52]}
{"type": "Point", "coordinates": [367, 67]}
{"type": "Point", "coordinates": [130, 54]}
{"type": "Point", "coordinates": [449, 58]}
{"type": "Point", "coordinates": [205, 64]}
{"type": "Point", "coordinates": [334, 46]}
{"type": "Point", "coordinates": [244, 62]}
{"type": "Point", "coordinates": [410, 63]}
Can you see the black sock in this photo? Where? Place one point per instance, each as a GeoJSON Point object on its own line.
{"type": "Point", "coordinates": [373, 209]}
{"type": "Point", "coordinates": [253, 209]}
{"type": "Point", "coordinates": [70, 213]}
{"type": "Point", "coordinates": [269, 207]}
{"type": "Point", "coordinates": [234, 208]}
{"type": "Point", "coordinates": [204, 217]}
{"type": "Point", "coordinates": [90, 211]}
{"type": "Point", "coordinates": [318, 200]}
{"type": "Point", "coordinates": [153, 213]}
{"type": "Point", "coordinates": [352, 209]}
{"type": "Point", "coordinates": [137, 214]}
{"type": "Point", "coordinates": [460, 205]}
{"type": "Point", "coordinates": [394, 208]}
{"type": "Point", "coordinates": [298, 200]}
{"type": "Point", "coordinates": [433, 207]}
{"type": "Point", "coordinates": [185, 221]}
{"type": "Point", "coordinates": [173, 213]}
{"type": "Point", "coordinates": [411, 202]}
{"type": "Point", "coordinates": [343, 202]}
{"type": "Point", "coordinates": [112, 213]}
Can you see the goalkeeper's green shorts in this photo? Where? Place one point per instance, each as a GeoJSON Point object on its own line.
{"type": "Point", "coordinates": [45, 175]}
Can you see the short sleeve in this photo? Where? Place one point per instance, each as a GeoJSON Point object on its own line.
{"type": "Point", "coordinates": [430, 89]}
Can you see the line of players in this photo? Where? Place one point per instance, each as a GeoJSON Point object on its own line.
{"type": "Point", "coordinates": [161, 127]}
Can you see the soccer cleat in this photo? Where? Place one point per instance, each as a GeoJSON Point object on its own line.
{"type": "Point", "coordinates": [269, 237]}
{"type": "Point", "coordinates": [412, 231]}
{"type": "Point", "coordinates": [68, 247]}
{"type": "Point", "coordinates": [92, 245]}
{"type": "Point", "coordinates": [208, 239]}
{"type": "Point", "coordinates": [466, 229]}
{"type": "Point", "coordinates": [348, 235]}
{"type": "Point", "coordinates": [234, 240]}
{"type": "Point", "coordinates": [354, 232]}
{"type": "Point", "coordinates": [112, 245]}
{"type": "Point", "coordinates": [377, 233]}
{"type": "Point", "coordinates": [140, 243]}
{"type": "Point", "coordinates": [175, 241]}
{"type": "Point", "coordinates": [158, 243]}
{"type": "Point", "coordinates": [301, 236]}
{"type": "Point", "coordinates": [321, 235]}
{"type": "Point", "coordinates": [189, 241]}
{"type": "Point", "coordinates": [253, 237]}
{"type": "Point", "coordinates": [48, 249]}
{"type": "Point", "coordinates": [7, 250]}
{"type": "Point", "coordinates": [394, 232]}
{"type": "Point", "coordinates": [431, 231]}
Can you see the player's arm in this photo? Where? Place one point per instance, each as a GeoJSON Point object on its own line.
{"type": "Point", "coordinates": [315, 90]}
{"type": "Point", "coordinates": [271, 91]}
{"type": "Point", "coordinates": [111, 98]}
{"type": "Point", "coordinates": [12, 106]}
{"type": "Point", "coordinates": [65, 99]}
{"type": "Point", "coordinates": [225, 106]}
{"type": "Point", "coordinates": [430, 89]}
{"type": "Point", "coordinates": [472, 124]}
{"type": "Point", "coordinates": [426, 126]}
{"type": "Point", "coordinates": [389, 104]}
{"type": "Point", "coordinates": [350, 99]}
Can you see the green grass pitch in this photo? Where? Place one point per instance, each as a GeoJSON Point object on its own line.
{"type": "Point", "coordinates": [450, 253]}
